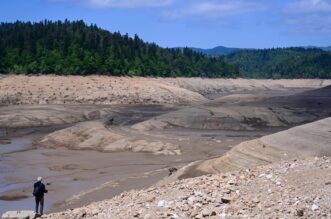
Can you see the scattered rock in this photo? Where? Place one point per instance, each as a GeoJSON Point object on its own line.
{"type": "Point", "coordinates": [203, 197]}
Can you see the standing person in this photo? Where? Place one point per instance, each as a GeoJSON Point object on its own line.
{"type": "Point", "coordinates": [39, 190]}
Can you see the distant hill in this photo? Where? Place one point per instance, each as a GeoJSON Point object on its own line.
{"type": "Point", "coordinates": [292, 62]}
{"type": "Point", "coordinates": [216, 51]}
{"type": "Point", "coordinates": [224, 51]}
{"type": "Point", "coordinates": [282, 63]}
{"type": "Point", "coordinates": [328, 48]}
{"type": "Point", "coordinates": [77, 48]}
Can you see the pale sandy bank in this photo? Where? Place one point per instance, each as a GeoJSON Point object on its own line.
{"type": "Point", "coordinates": [125, 90]}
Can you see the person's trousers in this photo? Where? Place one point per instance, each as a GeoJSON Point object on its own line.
{"type": "Point", "coordinates": [40, 201]}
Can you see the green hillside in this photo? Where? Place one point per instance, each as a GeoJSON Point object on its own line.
{"type": "Point", "coordinates": [76, 48]}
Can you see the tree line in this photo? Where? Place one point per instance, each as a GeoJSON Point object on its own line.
{"type": "Point", "coordinates": [73, 47]}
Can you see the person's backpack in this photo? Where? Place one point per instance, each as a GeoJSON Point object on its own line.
{"type": "Point", "coordinates": [37, 190]}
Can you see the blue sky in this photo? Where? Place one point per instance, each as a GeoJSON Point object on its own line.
{"type": "Point", "coordinates": [197, 23]}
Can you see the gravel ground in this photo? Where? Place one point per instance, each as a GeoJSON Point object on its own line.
{"type": "Point", "coordinates": [291, 189]}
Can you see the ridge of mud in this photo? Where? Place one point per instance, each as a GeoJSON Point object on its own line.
{"type": "Point", "coordinates": [300, 142]}
{"type": "Point", "coordinates": [247, 112]}
{"type": "Point", "coordinates": [95, 135]}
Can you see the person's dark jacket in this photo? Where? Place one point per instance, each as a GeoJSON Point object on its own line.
{"type": "Point", "coordinates": [39, 189]}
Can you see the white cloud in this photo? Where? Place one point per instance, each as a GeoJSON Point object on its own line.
{"type": "Point", "coordinates": [121, 3]}
{"type": "Point", "coordinates": [309, 16]}
{"type": "Point", "coordinates": [310, 24]}
{"type": "Point", "coordinates": [308, 6]}
{"type": "Point", "coordinates": [218, 8]}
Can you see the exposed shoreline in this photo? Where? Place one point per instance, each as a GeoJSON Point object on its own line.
{"type": "Point", "coordinates": [204, 118]}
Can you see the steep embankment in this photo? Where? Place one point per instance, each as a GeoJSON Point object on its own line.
{"type": "Point", "coordinates": [313, 139]}
{"type": "Point", "coordinates": [293, 189]}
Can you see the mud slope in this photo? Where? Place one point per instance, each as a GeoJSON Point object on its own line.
{"type": "Point", "coordinates": [210, 87]}
{"type": "Point", "coordinates": [313, 139]}
{"type": "Point", "coordinates": [247, 112]}
{"type": "Point", "coordinates": [95, 135]}
{"type": "Point", "coordinates": [25, 116]}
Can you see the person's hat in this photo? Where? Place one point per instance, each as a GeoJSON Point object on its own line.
{"type": "Point", "coordinates": [39, 178]}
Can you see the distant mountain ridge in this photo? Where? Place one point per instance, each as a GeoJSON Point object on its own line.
{"type": "Point", "coordinates": [216, 51]}
{"type": "Point", "coordinates": [327, 48]}
{"type": "Point", "coordinates": [296, 62]}
{"type": "Point", "coordinates": [224, 51]}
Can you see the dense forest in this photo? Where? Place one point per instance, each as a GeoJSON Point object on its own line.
{"type": "Point", "coordinates": [67, 47]}
{"type": "Point", "coordinates": [76, 48]}
{"type": "Point", "coordinates": [282, 63]}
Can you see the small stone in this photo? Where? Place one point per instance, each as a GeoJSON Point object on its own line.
{"type": "Point", "coordinates": [148, 216]}
{"type": "Point", "coordinates": [174, 216]}
{"type": "Point", "coordinates": [300, 213]}
{"type": "Point", "coordinates": [197, 193]}
{"type": "Point", "coordinates": [205, 213]}
{"type": "Point", "coordinates": [226, 200]}
{"type": "Point", "coordinates": [191, 200]}
{"type": "Point", "coordinates": [231, 182]}
{"type": "Point", "coordinates": [83, 215]}
{"type": "Point", "coordinates": [268, 176]}
{"type": "Point", "coordinates": [194, 213]}
{"type": "Point", "coordinates": [198, 216]}
{"type": "Point", "coordinates": [256, 200]}
{"type": "Point", "coordinates": [314, 207]}
{"type": "Point", "coordinates": [136, 214]}
{"type": "Point", "coordinates": [222, 215]}
{"type": "Point", "coordinates": [228, 191]}
{"type": "Point", "coordinates": [162, 204]}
